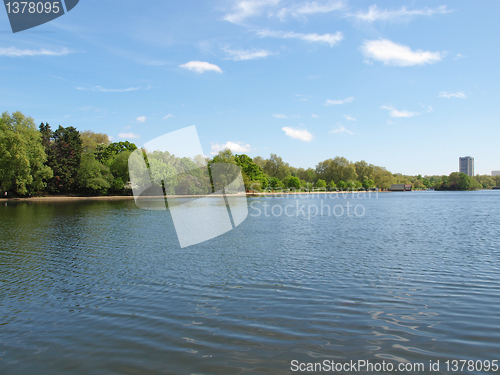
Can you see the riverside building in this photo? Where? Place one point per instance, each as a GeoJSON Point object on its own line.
{"type": "Point", "coordinates": [466, 165]}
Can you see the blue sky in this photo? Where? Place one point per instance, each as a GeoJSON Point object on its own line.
{"type": "Point", "coordinates": [406, 85]}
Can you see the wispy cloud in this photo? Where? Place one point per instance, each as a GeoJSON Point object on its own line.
{"type": "Point", "coordinates": [459, 56]}
{"type": "Point", "coordinates": [141, 119]}
{"type": "Point", "coordinates": [129, 136]}
{"type": "Point", "coordinates": [375, 14]}
{"type": "Point", "coordinates": [240, 55]}
{"type": "Point", "coordinates": [280, 115]}
{"type": "Point", "coordinates": [16, 52]}
{"type": "Point", "coordinates": [233, 146]}
{"type": "Point", "coordinates": [428, 108]}
{"type": "Point", "coordinates": [349, 118]}
{"type": "Point", "coordinates": [393, 112]}
{"type": "Point", "coordinates": [340, 129]}
{"type": "Point", "coordinates": [330, 102]}
{"type": "Point", "coordinates": [314, 115]}
{"type": "Point", "coordinates": [394, 54]}
{"type": "Point", "coordinates": [90, 108]}
{"type": "Point", "coordinates": [200, 67]}
{"type": "Point", "coordinates": [449, 95]}
{"type": "Point", "coordinates": [168, 116]}
{"type": "Point", "coordinates": [102, 89]}
{"type": "Point", "coordinates": [330, 39]}
{"type": "Point", "coordinates": [303, 98]}
{"type": "Point", "coordinates": [248, 8]}
{"type": "Point", "coordinates": [308, 8]}
{"type": "Point", "coordinates": [301, 134]}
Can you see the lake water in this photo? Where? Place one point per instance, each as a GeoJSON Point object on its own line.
{"type": "Point", "coordinates": [104, 288]}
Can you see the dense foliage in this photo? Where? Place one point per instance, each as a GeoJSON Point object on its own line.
{"type": "Point", "coordinates": [67, 161]}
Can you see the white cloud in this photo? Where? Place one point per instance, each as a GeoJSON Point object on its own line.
{"type": "Point", "coordinates": [340, 129]}
{"type": "Point", "coordinates": [240, 55]}
{"type": "Point", "coordinates": [248, 8]}
{"type": "Point", "coordinates": [301, 134]}
{"type": "Point", "coordinates": [391, 53]}
{"type": "Point", "coordinates": [308, 8]}
{"type": "Point", "coordinates": [200, 67]}
{"type": "Point", "coordinates": [168, 116]}
{"type": "Point", "coordinates": [395, 113]}
{"type": "Point", "coordinates": [449, 95]}
{"type": "Point", "coordinates": [459, 56]}
{"type": "Point", "coordinates": [233, 146]}
{"type": "Point", "coordinates": [375, 14]}
{"type": "Point", "coordinates": [102, 89]}
{"type": "Point", "coordinates": [303, 98]}
{"type": "Point", "coordinates": [16, 52]}
{"type": "Point", "coordinates": [280, 115]}
{"type": "Point", "coordinates": [330, 39]}
{"type": "Point", "coordinates": [129, 135]}
{"type": "Point", "coordinates": [330, 102]}
{"type": "Point", "coordinates": [314, 115]}
{"type": "Point", "coordinates": [141, 118]}
{"type": "Point", "coordinates": [349, 118]}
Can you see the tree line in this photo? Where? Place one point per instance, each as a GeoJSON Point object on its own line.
{"type": "Point", "coordinates": [45, 161]}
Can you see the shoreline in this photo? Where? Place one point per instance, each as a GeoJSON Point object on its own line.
{"type": "Point", "coordinates": [131, 197]}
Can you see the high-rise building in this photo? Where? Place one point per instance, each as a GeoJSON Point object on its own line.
{"type": "Point", "coordinates": [466, 165]}
{"type": "Point", "coordinates": [495, 173]}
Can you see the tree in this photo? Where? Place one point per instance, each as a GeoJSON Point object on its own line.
{"type": "Point", "coordinates": [276, 167]}
{"type": "Point", "coordinates": [91, 141]}
{"type": "Point", "coordinates": [22, 155]}
{"type": "Point", "coordinates": [251, 171]}
{"type": "Point", "coordinates": [368, 184]}
{"type": "Point", "coordinates": [108, 152]}
{"type": "Point", "coordinates": [341, 185]}
{"type": "Point", "coordinates": [93, 177]}
{"type": "Point", "coordinates": [260, 161]}
{"type": "Point", "coordinates": [306, 174]}
{"type": "Point", "coordinates": [275, 183]}
{"type": "Point", "coordinates": [338, 169]}
{"type": "Point", "coordinates": [321, 184]}
{"type": "Point", "coordinates": [293, 182]}
{"type": "Point", "coordinates": [364, 170]}
{"type": "Point", "coordinates": [332, 185]}
{"type": "Point", "coordinates": [382, 178]}
{"type": "Point", "coordinates": [485, 181]}
{"type": "Point", "coordinates": [65, 153]}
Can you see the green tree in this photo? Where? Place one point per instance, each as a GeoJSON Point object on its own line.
{"type": "Point", "coordinates": [108, 152]}
{"type": "Point", "coordinates": [91, 141]}
{"type": "Point", "coordinates": [275, 183]}
{"type": "Point", "coordinates": [293, 183]}
{"type": "Point", "coordinates": [64, 157]}
{"type": "Point", "coordinates": [276, 167]}
{"type": "Point", "coordinates": [338, 169]}
{"type": "Point", "coordinates": [94, 178]}
{"type": "Point", "coordinates": [321, 184]}
{"type": "Point", "coordinates": [383, 178]}
{"type": "Point", "coordinates": [485, 181]}
{"type": "Point", "coordinates": [342, 185]}
{"type": "Point", "coordinates": [251, 171]}
{"type": "Point", "coordinates": [368, 184]}
{"type": "Point", "coordinates": [332, 185]}
{"type": "Point", "coordinates": [22, 155]}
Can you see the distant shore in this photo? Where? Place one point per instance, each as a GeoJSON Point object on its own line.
{"type": "Point", "coordinates": [130, 197]}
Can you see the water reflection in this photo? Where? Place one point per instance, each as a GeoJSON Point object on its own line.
{"type": "Point", "coordinates": [104, 287]}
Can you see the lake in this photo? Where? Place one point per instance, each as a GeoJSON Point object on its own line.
{"type": "Point", "coordinates": [103, 287]}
